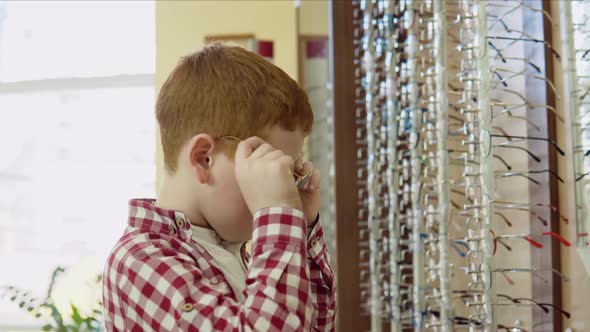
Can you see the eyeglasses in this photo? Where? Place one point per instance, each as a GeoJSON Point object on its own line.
{"type": "Point", "coordinates": [509, 145]}
{"type": "Point", "coordinates": [518, 205]}
{"type": "Point", "coordinates": [463, 294]}
{"type": "Point", "coordinates": [512, 9]}
{"type": "Point", "coordinates": [524, 37]}
{"type": "Point", "coordinates": [516, 74]}
{"type": "Point", "coordinates": [404, 203]}
{"type": "Point", "coordinates": [301, 179]}
{"type": "Point", "coordinates": [502, 174]}
{"type": "Point", "coordinates": [507, 107]}
{"type": "Point", "coordinates": [527, 237]}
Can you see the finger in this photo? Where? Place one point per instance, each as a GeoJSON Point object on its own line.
{"type": "Point", "coordinates": [287, 161]}
{"type": "Point", "coordinates": [314, 182]}
{"type": "Point", "coordinates": [299, 164]}
{"type": "Point", "coordinates": [305, 171]}
{"type": "Point", "coordinates": [309, 186]}
{"type": "Point", "coordinates": [306, 167]}
{"type": "Point", "coordinates": [261, 151]}
{"type": "Point", "coordinates": [306, 187]}
{"type": "Point", "coordinates": [276, 154]}
{"type": "Point", "coordinates": [248, 146]}
{"type": "Point", "coordinates": [301, 169]}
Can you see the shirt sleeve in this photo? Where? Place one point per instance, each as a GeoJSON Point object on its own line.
{"type": "Point", "coordinates": [323, 287]}
{"type": "Point", "coordinates": [165, 290]}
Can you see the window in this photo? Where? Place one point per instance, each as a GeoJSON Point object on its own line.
{"type": "Point", "coordinates": [77, 134]}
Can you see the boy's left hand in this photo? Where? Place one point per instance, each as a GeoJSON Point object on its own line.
{"type": "Point", "coordinates": [310, 193]}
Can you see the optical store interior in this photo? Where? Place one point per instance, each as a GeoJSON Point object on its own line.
{"type": "Point", "coordinates": [452, 139]}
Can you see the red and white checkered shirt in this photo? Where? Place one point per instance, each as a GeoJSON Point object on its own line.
{"type": "Point", "coordinates": [158, 279]}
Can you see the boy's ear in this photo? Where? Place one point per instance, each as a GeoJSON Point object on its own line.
{"type": "Point", "coordinates": [200, 150]}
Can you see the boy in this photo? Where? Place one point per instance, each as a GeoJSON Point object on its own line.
{"type": "Point", "coordinates": [232, 127]}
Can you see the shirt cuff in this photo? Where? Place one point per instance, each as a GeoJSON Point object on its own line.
{"type": "Point", "coordinates": [316, 245]}
{"type": "Point", "coordinates": [279, 225]}
{"type": "Point", "coordinates": [311, 226]}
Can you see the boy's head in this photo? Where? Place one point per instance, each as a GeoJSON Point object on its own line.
{"type": "Point", "coordinates": [224, 91]}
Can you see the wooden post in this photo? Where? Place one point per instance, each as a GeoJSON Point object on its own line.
{"type": "Point", "coordinates": [350, 317]}
{"type": "Point", "coordinates": [546, 286]}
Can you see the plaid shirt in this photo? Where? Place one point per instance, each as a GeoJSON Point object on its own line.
{"type": "Point", "coordinates": [158, 279]}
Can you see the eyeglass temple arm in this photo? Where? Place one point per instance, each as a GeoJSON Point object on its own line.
{"type": "Point", "coordinates": [537, 159]}
{"type": "Point", "coordinates": [561, 152]}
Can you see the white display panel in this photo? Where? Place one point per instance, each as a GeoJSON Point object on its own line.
{"type": "Point", "coordinates": [77, 136]}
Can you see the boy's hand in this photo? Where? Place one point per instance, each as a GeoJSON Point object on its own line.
{"type": "Point", "coordinates": [265, 176]}
{"type": "Point", "coordinates": [310, 193]}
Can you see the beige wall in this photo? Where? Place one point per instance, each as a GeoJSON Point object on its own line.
{"type": "Point", "coordinates": [181, 27]}
{"type": "Point", "coordinates": [314, 17]}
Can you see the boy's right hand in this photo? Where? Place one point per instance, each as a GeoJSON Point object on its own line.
{"type": "Point", "coordinates": [265, 176]}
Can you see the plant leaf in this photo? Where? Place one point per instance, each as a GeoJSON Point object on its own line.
{"type": "Point", "coordinates": [76, 315]}
{"type": "Point", "coordinates": [55, 314]}
{"type": "Point", "coordinates": [57, 271]}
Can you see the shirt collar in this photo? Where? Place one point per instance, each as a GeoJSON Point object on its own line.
{"type": "Point", "coordinates": [206, 234]}
{"type": "Point", "coordinates": [210, 236]}
{"type": "Point", "coordinates": [145, 215]}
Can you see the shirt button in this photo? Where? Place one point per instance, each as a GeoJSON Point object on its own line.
{"type": "Point", "coordinates": [187, 307]}
{"type": "Point", "coordinates": [314, 243]}
{"type": "Point", "coordinates": [172, 230]}
{"type": "Point", "coordinates": [180, 222]}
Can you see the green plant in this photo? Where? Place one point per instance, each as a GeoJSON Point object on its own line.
{"type": "Point", "coordinates": [46, 310]}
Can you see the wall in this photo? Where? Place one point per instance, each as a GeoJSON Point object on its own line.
{"type": "Point", "coordinates": [314, 17]}
{"type": "Point", "coordinates": [181, 27]}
